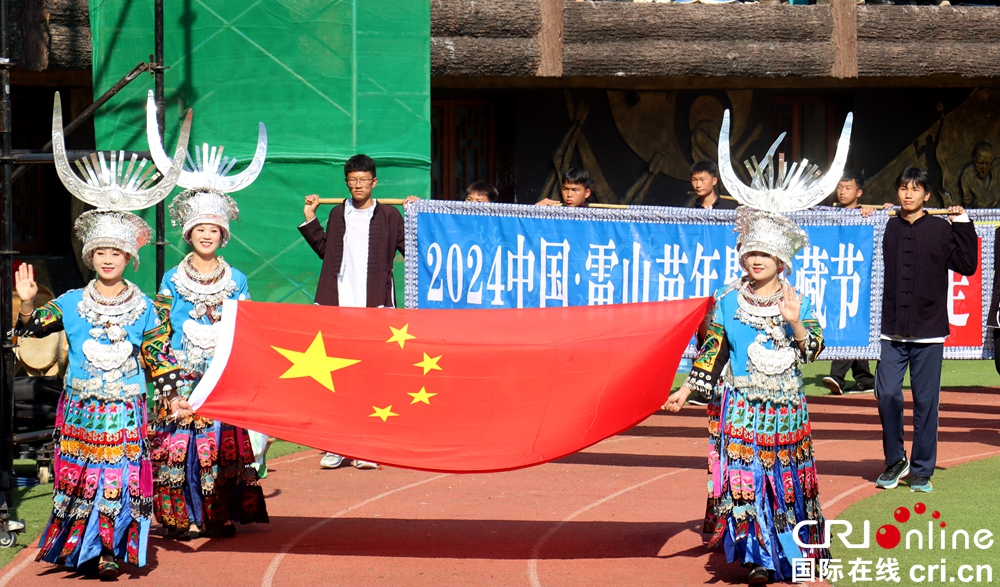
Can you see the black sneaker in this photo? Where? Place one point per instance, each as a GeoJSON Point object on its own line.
{"type": "Point", "coordinates": [835, 386]}
{"type": "Point", "coordinates": [921, 484]}
{"type": "Point", "coordinates": [889, 479]}
{"type": "Point", "coordinates": [860, 388]}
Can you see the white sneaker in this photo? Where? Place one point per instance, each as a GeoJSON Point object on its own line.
{"type": "Point", "coordinates": [359, 464]}
{"type": "Point", "coordinates": [331, 461]}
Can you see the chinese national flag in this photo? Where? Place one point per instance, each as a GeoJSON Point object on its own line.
{"type": "Point", "coordinates": [445, 390]}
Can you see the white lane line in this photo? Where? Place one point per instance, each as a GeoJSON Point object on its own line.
{"type": "Point", "coordinates": [537, 549]}
{"type": "Point", "coordinates": [283, 461]}
{"type": "Point", "coordinates": [869, 483]}
{"type": "Point", "coordinates": [17, 569]}
{"type": "Point", "coordinates": [272, 569]}
{"type": "Point", "coordinates": [970, 457]}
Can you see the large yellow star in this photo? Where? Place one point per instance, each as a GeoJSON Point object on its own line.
{"type": "Point", "coordinates": [421, 396]}
{"type": "Point", "coordinates": [383, 413]}
{"type": "Point", "coordinates": [400, 335]}
{"type": "Point", "coordinates": [314, 363]}
{"type": "Point", "coordinates": [429, 363]}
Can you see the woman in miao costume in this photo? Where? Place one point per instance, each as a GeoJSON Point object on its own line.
{"type": "Point", "coordinates": [103, 485]}
{"type": "Point", "coordinates": [762, 472]}
{"type": "Point", "coordinates": [203, 474]}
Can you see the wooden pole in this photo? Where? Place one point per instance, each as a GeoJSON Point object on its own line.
{"type": "Point", "coordinates": [399, 202]}
{"type": "Point", "coordinates": [386, 201]}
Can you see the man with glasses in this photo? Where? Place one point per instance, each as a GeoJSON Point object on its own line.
{"type": "Point", "coordinates": [357, 249]}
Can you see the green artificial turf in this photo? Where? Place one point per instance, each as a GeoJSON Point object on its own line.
{"type": "Point", "coordinates": [954, 374]}
{"type": "Point", "coordinates": [280, 448]}
{"type": "Point", "coordinates": [33, 505]}
{"type": "Point", "coordinates": [967, 497]}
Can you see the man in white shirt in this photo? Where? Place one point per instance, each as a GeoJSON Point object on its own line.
{"type": "Point", "coordinates": [358, 249]}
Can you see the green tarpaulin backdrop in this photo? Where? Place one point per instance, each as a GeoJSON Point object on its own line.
{"type": "Point", "coordinates": [328, 79]}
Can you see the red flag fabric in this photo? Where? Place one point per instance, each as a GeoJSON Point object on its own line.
{"type": "Point", "coordinates": [445, 390]}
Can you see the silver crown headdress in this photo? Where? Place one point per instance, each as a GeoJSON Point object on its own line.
{"type": "Point", "coordinates": [775, 188]}
{"type": "Point", "coordinates": [114, 190]}
{"type": "Point", "coordinates": [206, 199]}
{"type": "Point", "coordinates": [203, 206]}
{"type": "Point", "coordinates": [116, 229]}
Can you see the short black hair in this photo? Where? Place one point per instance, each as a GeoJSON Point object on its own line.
{"type": "Point", "coordinates": [577, 175]}
{"type": "Point", "coordinates": [483, 188]}
{"type": "Point", "coordinates": [917, 175]}
{"type": "Point", "coordinates": [706, 165]}
{"type": "Point", "coordinates": [853, 175]}
{"type": "Point", "coordinates": [361, 163]}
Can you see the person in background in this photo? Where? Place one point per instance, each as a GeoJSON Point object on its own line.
{"type": "Point", "coordinates": [705, 184]}
{"type": "Point", "coordinates": [575, 189]}
{"type": "Point", "coordinates": [358, 249]}
{"type": "Point", "coordinates": [481, 191]}
{"type": "Point", "coordinates": [919, 250]}
{"type": "Point", "coordinates": [849, 191]}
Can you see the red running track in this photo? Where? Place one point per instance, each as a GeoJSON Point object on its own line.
{"type": "Point", "coordinates": [627, 511]}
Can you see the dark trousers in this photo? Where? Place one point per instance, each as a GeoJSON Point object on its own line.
{"type": "Point", "coordinates": [996, 348]}
{"type": "Point", "coordinates": [924, 361]}
{"type": "Point", "coordinates": [859, 368]}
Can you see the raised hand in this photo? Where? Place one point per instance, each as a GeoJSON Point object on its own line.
{"type": "Point", "coordinates": [790, 304]}
{"type": "Point", "coordinates": [954, 211]}
{"type": "Point", "coordinates": [24, 283]}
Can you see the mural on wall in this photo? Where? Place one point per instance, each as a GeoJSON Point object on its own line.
{"type": "Point", "coordinates": [669, 130]}
{"type": "Point", "coordinates": [646, 121]}
{"type": "Point", "coordinates": [959, 152]}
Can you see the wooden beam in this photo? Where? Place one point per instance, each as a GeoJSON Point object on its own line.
{"type": "Point", "coordinates": [602, 22]}
{"type": "Point", "coordinates": [550, 38]}
{"type": "Point", "coordinates": [493, 18]}
{"type": "Point", "coordinates": [55, 35]}
{"type": "Point", "coordinates": [461, 56]}
{"type": "Point", "coordinates": [845, 39]}
{"type": "Point", "coordinates": [723, 58]}
{"type": "Point", "coordinates": [694, 82]}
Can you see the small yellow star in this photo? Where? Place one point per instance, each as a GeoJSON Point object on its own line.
{"type": "Point", "coordinates": [421, 396]}
{"type": "Point", "coordinates": [400, 335]}
{"type": "Point", "coordinates": [429, 363]}
{"type": "Point", "coordinates": [383, 413]}
{"type": "Point", "coordinates": [314, 363]}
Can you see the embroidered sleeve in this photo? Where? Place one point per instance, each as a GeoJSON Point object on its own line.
{"type": "Point", "coordinates": [163, 303]}
{"type": "Point", "coordinates": [812, 346]}
{"type": "Point", "coordinates": [43, 322]}
{"type": "Point", "coordinates": [711, 359]}
{"type": "Point", "coordinates": [160, 362]}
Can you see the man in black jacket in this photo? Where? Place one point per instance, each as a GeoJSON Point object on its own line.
{"type": "Point", "coordinates": [358, 248]}
{"type": "Point", "coordinates": [918, 249]}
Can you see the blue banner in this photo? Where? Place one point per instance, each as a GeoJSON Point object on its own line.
{"type": "Point", "coordinates": [471, 255]}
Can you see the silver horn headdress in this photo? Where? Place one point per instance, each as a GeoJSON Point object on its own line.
{"type": "Point", "coordinates": [113, 189]}
{"type": "Point", "coordinates": [208, 168]}
{"type": "Point", "coordinates": [775, 188]}
{"type": "Point", "coordinates": [206, 198]}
